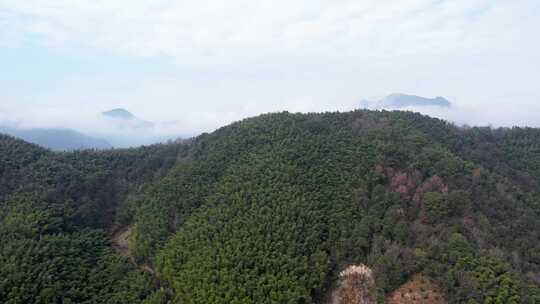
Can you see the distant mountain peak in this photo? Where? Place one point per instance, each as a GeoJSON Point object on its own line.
{"type": "Point", "coordinates": [123, 119]}
{"type": "Point", "coordinates": [119, 113]}
{"type": "Point", "coordinates": [401, 101]}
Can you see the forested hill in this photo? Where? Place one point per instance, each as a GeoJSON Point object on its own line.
{"type": "Point", "coordinates": [272, 209]}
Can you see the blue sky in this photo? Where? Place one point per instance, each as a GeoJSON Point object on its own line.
{"type": "Point", "coordinates": [197, 65]}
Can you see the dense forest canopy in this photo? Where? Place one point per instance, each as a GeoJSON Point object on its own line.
{"type": "Point", "coordinates": [271, 209]}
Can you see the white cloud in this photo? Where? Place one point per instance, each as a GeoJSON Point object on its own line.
{"type": "Point", "coordinates": [296, 55]}
{"type": "Point", "coordinates": [225, 30]}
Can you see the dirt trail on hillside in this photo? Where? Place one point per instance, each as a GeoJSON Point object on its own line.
{"type": "Point", "coordinates": [120, 243]}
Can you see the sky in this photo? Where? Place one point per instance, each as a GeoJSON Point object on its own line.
{"type": "Point", "coordinates": [196, 65]}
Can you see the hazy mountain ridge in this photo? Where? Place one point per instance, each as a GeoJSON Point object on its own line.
{"type": "Point", "coordinates": [57, 139]}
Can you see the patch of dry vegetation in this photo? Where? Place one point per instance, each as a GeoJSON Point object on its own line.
{"type": "Point", "coordinates": [356, 282]}
{"type": "Point", "coordinates": [420, 289]}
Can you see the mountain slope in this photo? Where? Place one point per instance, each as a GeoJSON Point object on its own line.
{"type": "Point", "coordinates": [295, 198]}
{"type": "Point", "coordinates": [55, 213]}
{"type": "Point", "coordinates": [271, 209]}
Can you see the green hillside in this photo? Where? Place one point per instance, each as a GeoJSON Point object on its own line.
{"type": "Point", "coordinates": [270, 210]}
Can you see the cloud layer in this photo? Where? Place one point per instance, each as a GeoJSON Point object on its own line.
{"type": "Point", "coordinates": [219, 61]}
{"type": "Point", "coordinates": [226, 31]}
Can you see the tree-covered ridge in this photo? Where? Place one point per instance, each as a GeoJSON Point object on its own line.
{"type": "Point", "coordinates": [55, 209]}
{"type": "Point", "coordinates": [270, 209]}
